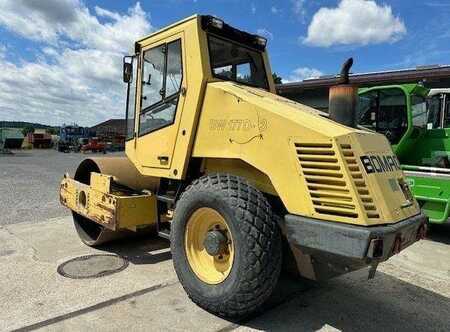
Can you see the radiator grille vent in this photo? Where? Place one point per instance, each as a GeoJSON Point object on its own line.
{"type": "Point", "coordinates": [327, 186]}
{"type": "Point", "coordinates": [358, 180]}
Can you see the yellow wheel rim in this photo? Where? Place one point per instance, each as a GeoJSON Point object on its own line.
{"type": "Point", "coordinates": [211, 269]}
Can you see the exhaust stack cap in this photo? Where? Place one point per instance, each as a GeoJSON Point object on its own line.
{"type": "Point", "coordinates": [343, 98]}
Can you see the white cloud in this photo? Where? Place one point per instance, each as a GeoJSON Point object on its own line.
{"type": "Point", "coordinates": [301, 74]}
{"type": "Point", "coordinates": [298, 7]}
{"type": "Point", "coordinates": [253, 8]}
{"type": "Point", "coordinates": [76, 76]}
{"type": "Point", "coordinates": [274, 10]}
{"type": "Point", "coordinates": [358, 22]}
{"type": "Point", "coordinates": [38, 20]}
{"type": "Point", "coordinates": [265, 33]}
{"type": "Point", "coordinates": [2, 51]}
{"type": "Point", "coordinates": [50, 51]}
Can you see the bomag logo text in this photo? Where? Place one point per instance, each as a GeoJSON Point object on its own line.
{"type": "Point", "coordinates": [380, 164]}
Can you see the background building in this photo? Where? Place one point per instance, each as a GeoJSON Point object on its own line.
{"type": "Point", "coordinates": [314, 92]}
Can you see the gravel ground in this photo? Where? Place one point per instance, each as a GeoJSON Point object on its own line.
{"type": "Point", "coordinates": [29, 182]}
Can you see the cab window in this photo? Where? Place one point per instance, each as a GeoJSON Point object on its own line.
{"type": "Point", "coordinates": [434, 112]}
{"type": "Point", "coordinates": [131, 100]}
{"type": "Point", "coordinates": [384, 111]}
{"type": "Point", "coordinates": [419, 111]}
{"type": "Point", "coordinates": [447, 112]}
{"type": "Point", "coordinates": [162, 76]}
{"type": "Point", "coordinates": [231, 61]}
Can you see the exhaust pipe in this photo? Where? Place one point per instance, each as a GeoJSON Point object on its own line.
{"type": "Point", "coordinates": [343, 98]}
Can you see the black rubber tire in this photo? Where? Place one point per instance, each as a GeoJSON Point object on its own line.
{"type": "Point", "coordinates": [256, 238]}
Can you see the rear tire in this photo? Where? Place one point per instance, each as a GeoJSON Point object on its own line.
{"type": "Point", "coordinates": [256, 242]}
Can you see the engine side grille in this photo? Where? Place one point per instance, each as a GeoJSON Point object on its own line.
{"type": "Point", "coordinates": [358, 180]}
{"type": "Point", "coordinates": [327, 186]}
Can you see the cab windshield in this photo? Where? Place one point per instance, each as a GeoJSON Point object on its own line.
{"type": "Point", "coordinates": [234, 62]}
{"type": "Point", "coordinates": [419, 111]}
{"type": "Point", "coordinates": [384, 111]}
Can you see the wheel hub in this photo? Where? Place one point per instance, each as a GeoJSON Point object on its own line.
{"type": "Point", "coordinates": [215, 243]}
{"type": "Point", "coordinates": [209, 245]}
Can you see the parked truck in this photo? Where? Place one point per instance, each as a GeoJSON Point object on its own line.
{"type": "Point", "coordinates": [39, 139]}
{"type": "Point", "coordinates": [10, 138]}
{"type": "Point", "coordinates": [93, 145]}
{"type": "Point", "coordinates": [69, 136]}
{"type": "Point", "coordinates": [415, 121]}
{"type": "Point", "coordinates": [231, 173]}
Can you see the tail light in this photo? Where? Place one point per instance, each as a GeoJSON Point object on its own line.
{"type": "Point", "coordinates": [421, 232]}
{"type": "Point", "coordinates": [397, 245]}
{"type": "Point", "coordinates": [377, 248]}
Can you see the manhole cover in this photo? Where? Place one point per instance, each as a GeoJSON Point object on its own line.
{"type": "Point", "coordinates": [92, 266]}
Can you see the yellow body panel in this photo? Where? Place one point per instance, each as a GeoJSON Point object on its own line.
{"type": "Point", "coordinates": [111, 209]}
{"type": "Point", "coordinates": [310, 160]}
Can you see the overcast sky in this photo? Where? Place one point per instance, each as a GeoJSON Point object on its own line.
{"type": "Point", "coordinates": [61, 60]}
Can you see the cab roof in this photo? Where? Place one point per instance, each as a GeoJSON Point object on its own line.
{"type": "Point", "coordinates": [412, 88]}
{"type": "Point", "coordinates": [207, 24]}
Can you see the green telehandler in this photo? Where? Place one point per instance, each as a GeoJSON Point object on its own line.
{"type": "Point", "coordinates": [416, 122]}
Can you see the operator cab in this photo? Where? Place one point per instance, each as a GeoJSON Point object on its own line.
{"type": "Point", "coordinates": [438, 102]}
{"type": "Point", "coordinates": [167, 77]}
{"type": "Point", "coordinates": [385, 110]}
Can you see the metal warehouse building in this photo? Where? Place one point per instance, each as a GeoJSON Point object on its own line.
{"type": "Point", "coordinates": [314, 92]}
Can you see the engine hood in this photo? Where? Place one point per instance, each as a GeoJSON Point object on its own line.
{"type": "Point", "coordinates": [319, 168]}
{"type": "Point", "coordinates": [288, 109]}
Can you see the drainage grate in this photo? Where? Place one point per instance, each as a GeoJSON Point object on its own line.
{"type": "Point", "coordinates": [92, 266]}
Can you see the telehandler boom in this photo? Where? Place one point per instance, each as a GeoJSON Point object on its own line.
{"type": "Point", "coordinates": [228, 171]}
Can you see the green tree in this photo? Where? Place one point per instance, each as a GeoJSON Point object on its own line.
{"type": "Point", "coordinates": [277, 79]}
{"type": "Point", "coordinates": [53, 131]}
{"type": "Point", "coordinates": [27, 129]}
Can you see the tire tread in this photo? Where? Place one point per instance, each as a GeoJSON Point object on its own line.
{"type": "Point", "coordinates": [261, 232]}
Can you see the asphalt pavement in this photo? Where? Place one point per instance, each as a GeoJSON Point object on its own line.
{"type": "Point", "coordinates": [29, 184]}
{"type": "Point", "coordinates": [410, 292]}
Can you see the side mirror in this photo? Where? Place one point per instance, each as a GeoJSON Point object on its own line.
{"type": "Point", "coordinates": [127, 69]}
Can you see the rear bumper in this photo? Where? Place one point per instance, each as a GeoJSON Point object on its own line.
{"type": "Point", "coordinates": [355, 242]}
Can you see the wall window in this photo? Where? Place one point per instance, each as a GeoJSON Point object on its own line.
{"type": "Point", "coordinates": [162, 77]}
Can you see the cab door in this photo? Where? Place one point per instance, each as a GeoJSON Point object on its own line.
{"type": "Point", "coordinates": [161, 102]}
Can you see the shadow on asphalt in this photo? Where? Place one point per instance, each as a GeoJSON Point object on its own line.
{"type": "Point", "coordinates": [140, 250]}
{"type": "Point", "coordinates": [348, 303]}
{"type": "Point", "coordinates": [14, 153]}
{"type": "Point", "coordinates": [356, 304]}
{"type": "Point", "coordinates": [439, 233]}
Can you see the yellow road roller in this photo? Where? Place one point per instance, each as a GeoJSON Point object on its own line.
{"type": "Point", "coordinates": [238, 178]}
